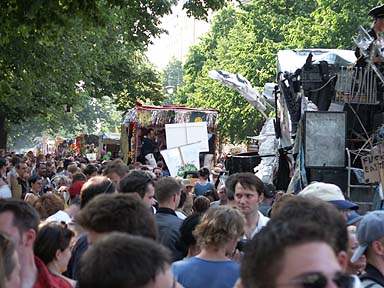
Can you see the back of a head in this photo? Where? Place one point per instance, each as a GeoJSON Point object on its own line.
{"type": "Point", "coordinates": [201, 204]}
{"type": "Point", "coordinates": [262, 261]}
{"type": "Point", "coordinates": [166, 188]}
{"type": "Point", "coordinates": [95, 186]}
{"type": "Point", "coordinates": [186, 232]}
{"type": "Point", "coordinates": [219, 225]}
{"type": "Point", "coordinates": [90, 169]}
{"type": "Point", "coordinates": [316, 211]}
{"type": "Point", "coordinates": [116, 166]}
{"type": "Point", "coordinates": [49, 204]}
{"type": "Point", "coordinates": [136, 181]}
{"type": "Point", "coordinates": [120, 261]}
{"type": "Point", "coordinates": [203, 172]}
{"type": "Point", "coordinates": [25, 216]}
{"type": "Point", "coordinates": [72, 168]}
{"type": "Point", "coordinates": [118, 212]}
{"type": "Point", "coordinates": [78, 176]}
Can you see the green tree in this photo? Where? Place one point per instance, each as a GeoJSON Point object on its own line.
{"type": "Point", "coordinates": [47, 47]}
{"type": "Point", "coordinates": [246, 41]}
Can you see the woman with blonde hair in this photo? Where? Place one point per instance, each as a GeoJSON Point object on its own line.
{"type": "Point", "coordinates": [217, 235]}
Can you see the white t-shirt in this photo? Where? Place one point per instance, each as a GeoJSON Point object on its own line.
{"type": "Point", "coordinates": [5, 191]}
{"type": "Point", "coordinates": [263, 220]}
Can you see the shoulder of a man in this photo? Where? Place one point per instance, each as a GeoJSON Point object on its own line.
{"type": "Point", "coordinates": [369, 283]}
{"type": "Point", "coordinates": [372, 278]}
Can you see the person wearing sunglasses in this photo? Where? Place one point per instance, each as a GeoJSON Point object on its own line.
{"type": "Point", "coordinates": [293, 255]}
{"type": "Point", "coordinates": [139, 182]}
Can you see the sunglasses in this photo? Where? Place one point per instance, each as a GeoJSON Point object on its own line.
{"type": "Point", "coordinates": [319, 280]}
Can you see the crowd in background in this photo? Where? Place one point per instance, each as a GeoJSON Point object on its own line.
{"type": "Point", "coordinates": [71, 223]}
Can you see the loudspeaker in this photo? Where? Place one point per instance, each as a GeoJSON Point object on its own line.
{"type": "Point", "coordinates": [324, 138]}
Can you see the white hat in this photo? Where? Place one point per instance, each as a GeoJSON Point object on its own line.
{"type": "Point", "coordinates": [328, 192]}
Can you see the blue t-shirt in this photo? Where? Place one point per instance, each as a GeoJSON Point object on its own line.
{"type": "Point", "coordinates": [196, 273]}
{"type": "Point", "coordinates": [201, 189]}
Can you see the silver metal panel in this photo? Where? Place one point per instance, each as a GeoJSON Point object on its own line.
{"type": "Point", "coordinates": [325, 136]}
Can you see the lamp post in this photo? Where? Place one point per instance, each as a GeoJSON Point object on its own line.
{"type": "Point", "coordinates": [170, 89]}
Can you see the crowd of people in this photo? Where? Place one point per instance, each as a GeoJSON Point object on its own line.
{"type": "Point", "coordinates": [71, 223]}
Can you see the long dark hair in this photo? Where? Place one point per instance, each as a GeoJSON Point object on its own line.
{"type": "Point", "coordinates": [50, 238]}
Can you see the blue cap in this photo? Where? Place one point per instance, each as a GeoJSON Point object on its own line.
{"type": "Point", "coordinates": [353, 217]}
{"type": "Point", "coordinates": [371, 228]}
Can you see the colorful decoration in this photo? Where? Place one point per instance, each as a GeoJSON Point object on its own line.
{"type": "Point", "coordinates": [186, 168]}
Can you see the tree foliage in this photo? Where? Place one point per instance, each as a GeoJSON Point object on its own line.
{"type": "Point", "coordinates": [48, 47]}
{"type": "Point", "coordinates": [246, 41]}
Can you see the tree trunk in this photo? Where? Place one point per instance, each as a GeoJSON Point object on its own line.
{"type": "Point", "coordinates": [3, 133]}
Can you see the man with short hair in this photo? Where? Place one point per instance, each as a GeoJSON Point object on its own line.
{"type": "Point", "coordinates": [139, 182]}
{"type": "Point", "coordinates": [317, 211]}
{"type": "Point", "coordinates": [121, 260]}
{"type": "Point", "coordinates": [116, 170]}
{"type": "Point", "coordinates": [116, 212]}
{"type": "Point", "coordinates": [20, 222]}
{"type": "Point", "coordinates": [95, 186]}
{"type": "Point", "coordinates": [149, 148]}
{"type": "Point", "coordinates": [325, 215]}
{"type": "Point", "coordinates": [19, 186]}
{"type": "Point", "coordinates": [90, 171]}
{"type": "Point", "coordinates": [248, 193]}
{"type": "Point", "coordinates": [370, 234]}
{"type": "Point", "coordinates": [168, 192]}
{"type": "Point", "coordinates": [291, 254]}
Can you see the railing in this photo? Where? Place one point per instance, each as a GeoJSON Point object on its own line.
{"type": "Point", "coordinates": [356, 85]}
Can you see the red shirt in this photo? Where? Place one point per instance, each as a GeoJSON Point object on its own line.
{"type": "Point", "coordinates": [46, 279]}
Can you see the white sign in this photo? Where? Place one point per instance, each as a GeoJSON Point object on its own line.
{"type": "Point", "coordinates": [186, 133]}
{"type": "Point", "coordinates": [178, 156]}
{"type": "Point", "coordinates": [91, 156]}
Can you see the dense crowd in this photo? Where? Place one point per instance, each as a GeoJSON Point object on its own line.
{"type": "Point", "coordinates": [71, 223]}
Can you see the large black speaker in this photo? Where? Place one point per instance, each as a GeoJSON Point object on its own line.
{"type": "Point", "coordinates": [337, 176]}
{"type": "Point", "coordinates": [242, 162]}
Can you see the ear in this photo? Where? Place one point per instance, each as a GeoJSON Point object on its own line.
{"type": "Point", "coordinates": [29, 238]}
{"type": "Point", "coordinates": [261, 197]}
{"type": "Point", "coordinates": [378, 247]}
{"type": "Point", "coordinates": [342, 258]}
{"type": "Point", "coordinates": [58, 254]}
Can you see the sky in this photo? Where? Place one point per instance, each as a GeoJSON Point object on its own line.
{"type": "Point", "coordinates": [183, 33]}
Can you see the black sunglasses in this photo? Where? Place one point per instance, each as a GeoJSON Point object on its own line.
{"type": "Point", "coordinates": [319, 280]}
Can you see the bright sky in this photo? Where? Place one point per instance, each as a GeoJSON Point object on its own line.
{"type": "Point", "coordinates": [183, 32]}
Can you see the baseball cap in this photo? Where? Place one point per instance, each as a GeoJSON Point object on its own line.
{"type": "Point", "coordinates": [353, 217]}
{"type": "Point", "coordinates": [370, 228]}
{"type": "Point", "coordinates": [330, 193]}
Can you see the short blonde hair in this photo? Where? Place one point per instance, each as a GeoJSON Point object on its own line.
{"type": "Point", "coordinates": [219, 225]}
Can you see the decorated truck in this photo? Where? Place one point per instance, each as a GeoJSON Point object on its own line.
{"type": "Point", "coordinates": [138, 120]}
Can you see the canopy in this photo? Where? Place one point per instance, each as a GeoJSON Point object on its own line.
{"type": "Point", "coordinates": [291, 60]}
